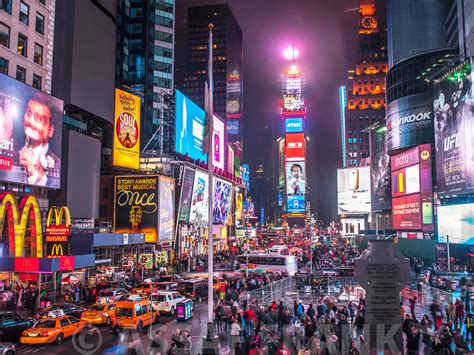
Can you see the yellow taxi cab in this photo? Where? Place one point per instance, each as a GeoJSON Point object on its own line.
{"type": "Point", "coordinates": [52, 330]}
{"type": "Point", "coordinates": [144, 288]}
{"type": "Point", "coordinates": [135, 313]}
{"type": "Point", "coordinates": [99, 313]}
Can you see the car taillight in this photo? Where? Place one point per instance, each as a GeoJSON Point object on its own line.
{"type": "Point", "coordinates": [24, 334]}
{"type": "Point", "coordinates": [45, 334]}
{"type": "Point", "coordinates": [167, 304]}
{"type": "Point", "coordinates": [134, 320]}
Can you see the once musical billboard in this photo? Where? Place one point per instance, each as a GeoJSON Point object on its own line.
{"type": "Point", "coordinates": [30, 135]}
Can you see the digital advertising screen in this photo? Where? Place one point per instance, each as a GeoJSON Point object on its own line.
{"type": "Point", "coordinates": [353, 190]}
{"type": "Point", "coordinates": [230, 160]}
{"type": "Point", "coordinates": [281, 162]}
{"type": "Point", "coordinates": [409, 121]}
{"type": "Point", "coordinates": [295, 204]}
{"type": "Point", "coordinates": [380, 171]}
{"type": "Point", "coordinates": [222, 201]}
{"type": "Point", "coordinates": [246, 174]}
{"type": "Point", "coordinates": [454, 134]}
{"type": "Point", "coordinates": [295, 178]}
{"type": "Point", "coordinates": [457, 222]}
{"type": "Point", "coordinates": [238, 208]}
{"type": "Point", "coordinates": [136, 206]}
{"type": "Point", "coordinates": [293, 106]}
{"type": "Point", "coordinates": [189, 134]}
{"type": "Point", "coordinates": [30, 135]}
{"type": "Point", "coordinates": [186, 195]}
{"type": "Point", "coordinates": [294, 125]}
{"type": "Point", "coordinates": [406, 212]}
{"type": "Point", "coordinates": [218, 143]}
{"type": "Point", "coordinates": [126, 130]}
{"type": "Point", "coordinates": [200, 198]}
{"type": "Point", "coordinates": [166, 226]}
{"type": "Point", "coordinates": [295, 146]}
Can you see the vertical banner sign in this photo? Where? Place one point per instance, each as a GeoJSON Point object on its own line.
{"type": "Point", "coordinates": [58, 232]}
{"type": "Point", "coordinates": [166, 226]}
{"type": "Point", "coordinates": [186, 195]}
{"type": "Point", "coordinates": [136, 206]}
{"type": "Point", "coordinates": [126, 130]}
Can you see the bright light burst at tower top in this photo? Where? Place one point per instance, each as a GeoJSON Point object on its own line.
{"type": "Point", "coordinates": [291, 53]}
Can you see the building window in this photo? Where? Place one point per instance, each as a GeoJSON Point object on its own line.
{"type": "Point", "coordinates": [37, 81]}
{"type": "Point", "coordinates": [38, 57]}
{"type": "Point", "coordinates": [4, 35]}
{"type": "Point", "coordinates": [24, 13]}
{"type": "Point", "coordinates": [42, 2]}
{"type": "Point", "coordinates": [3, 66]}
{"type": "Point", "coordinates": [39, 27]}
{"type": "Point", "coordinates": [22, 47]}
{"type": "Point", "coordinates": [20, 74]}
{"type": "Point", "coordinates": [6, 5]}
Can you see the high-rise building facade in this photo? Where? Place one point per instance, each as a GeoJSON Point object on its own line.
{"type": "Point", "coordinates": [145, 65]}
{"type": "Point", "coordinates": [191, 72]}
{"type": "Point", "coordinates": [27, 41]}
{"type": "Point", "coordinates": [365, 99]}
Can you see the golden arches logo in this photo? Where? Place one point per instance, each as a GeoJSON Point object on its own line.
{"type": "Point", "coordinates": [57, 250]}
{"type": "Point", "coordinates": [59, 213]}
{"type": "Point", "coordinates": [17, 223]}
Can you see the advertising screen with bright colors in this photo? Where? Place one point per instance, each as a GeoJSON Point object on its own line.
{"type": "Point", "coordinates": [294, 125]}
{"type": "Point", "coordinates": [222, 201]}
{"type": "Point", "coordinates": [189, 134]}
{"type": "Point", "coordinates": [238, 208]}
{"type": "Point", "coordinates": [200, 199]}
{"type": "Point", "coordinates": [353, 190]}
{"type": "Point", "coordinates": [246, 175]}
{"type": "Point", "coordinates": [295, 178]}
{"type": "Point", "coordinates": [293, 106]}
{"type": "Point", "coordinates": [380, 171]}
{"type": "Point", "coordinates": [126, 130]}
{"type": "Point", "coordinates": [136, 206]}
{"type": "Point", "coordinates": [30, 135]}
{"type": "Point", "coordinates": [457, 222]}
{"type": "Point", "coordinates": [218, 143]}
{"type": "Point", "coordinates": [295, 203]}
{"type": "Point", "coordinates": [454, 134]}
{"type": "Point", "coordinates": [295, 146]}
{"type": "Point", "coordinates": [230, 160]}
{"type": "Point", "coordinates": [186, 194]}
{"type": "Point", "coordinates": [166, 200]}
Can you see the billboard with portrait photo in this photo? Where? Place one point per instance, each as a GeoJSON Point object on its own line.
{"type": "Point", "coordinates": [30, 135]}
{"type": "Point", "coordinates": [380, 171]}
{"type": "Point", "coordinates": [200, 198]}
{"type": "Point", "coordinates": [295, 178]}
{"type": "Point", "coordinates": [353, 190]}
{"type": "Point", "coordinates": [454, 133]}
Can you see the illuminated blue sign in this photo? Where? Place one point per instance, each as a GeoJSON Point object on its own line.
{"type": "Point", "coordinates": [294, 125]}
{"type": "Point", "coordinates": [280, 198]}
{"type": "Point", "coordinates": [295, 203]}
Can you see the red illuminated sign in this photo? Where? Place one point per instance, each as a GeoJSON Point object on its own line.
{"type": "Point", "coordinates": [6, 163]}
{"type": "Point", "coordinates": [295, 147]}
{"type": "Point", "coordinates": [407, 212]}
{"type": "Point", "coordinates": [66, 263]}
{"type": "Point", "coordinates": [27, 264]}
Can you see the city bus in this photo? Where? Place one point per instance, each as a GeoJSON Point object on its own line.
{"type": "Point", "coordinates": [268, 262]}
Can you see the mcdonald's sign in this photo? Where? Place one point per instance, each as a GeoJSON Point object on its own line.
{"type": "Point", "coordinates": [58, 231]}
{"type": "Point", "coordinates": [18, 222]}
{"type": "Point", "coordinates": [66, 263]}
{"type": "Point", "coordinates": [27, 265]}
{"type": "Point", "coordinates": [57, 249]}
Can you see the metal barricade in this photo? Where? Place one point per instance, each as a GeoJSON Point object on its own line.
{"type": "Point", "coordinates": [274, 291]}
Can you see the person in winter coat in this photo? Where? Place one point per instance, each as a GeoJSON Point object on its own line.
{"type": "Point", "coordinates": [459, 313]}
{"type": "Point", "coordinates": [426, 329]}
{"type": "Point", "coordinates": [413, 341]}
{"type": "Point", "coordinates": [353, 349]}
{"type": "Point", "coordinates": [235, 330]}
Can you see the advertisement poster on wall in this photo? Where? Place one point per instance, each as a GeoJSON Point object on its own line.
{"type": "Point", "coordinates": [295, 146]}
{"type": "Point", "coordinates": [295, 178]}
{"type": "Point", "coordinates": [457, 222]}
{"type": "Point", "coordinates": [281, 162]}
{"type": "Point", "coordinates": [409, 121]}
{"type": "Point", "coordinates": [136, 206]}
{"type": "Point", "coordinates": [246, 175]}
{"type": "Point", "coordinates": [222, 201]}
{"type": "Point", "coordinates": [353, 190]}
{"type": "Point", "coordinates": [380, 171]}
{"type": "Point", "coordinates": [454, 134]}
{"type": "Point", "coordinates": [186, 195]}
{"type": "Point", "coordinates": [200, 199]}
{"type": "Point", "coordinates": [230, 159]}
{"type": "Point", "coordinates": [238, 208]}
{"type": "Point", "coordinates": [166, 226]}
{"type": "Point", "coordinates": [218, 143]}
{"type": "Point", "coordinates": [30, 135]}
{"type": "Point", "coordinates": [189, 134]}
{"type": "Point", "coordinates": [126, 130]}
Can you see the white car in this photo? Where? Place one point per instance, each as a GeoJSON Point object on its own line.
{"type": "Point", "coordinates": [166, 301]}
{"type": "Point", "coordinates": [111, 295]}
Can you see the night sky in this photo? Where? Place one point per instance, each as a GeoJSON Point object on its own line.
{"type": "Point", "coordinates": [324, 31]}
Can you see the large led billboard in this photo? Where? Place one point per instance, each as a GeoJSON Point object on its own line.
{"type": "Point", "coordinates": [238, 208]}
{"type": "Point", "coordinates": [30, 135]}
{"type": "Point", "coordinates": [222, 201]}
{"type": "Point", "coordinates": [295, 178]}
{"type": "Point", "coordinates": [218, 143]}
{"type": "Point", "coordinates": [189, 134]}
{"type": "Point", "coordinates": [293, 106]}
{"type": "Point", "coordinates": [186, 195]}
{"type": "Point", "coordinates": [454, 134]}
{"type": "Point", "coordinates": [412, 190]}
{"type": "Point", "coordinates": [166, 200]}
{"type": "Point", "coordinates": [457, 222]}
{"type": "Point", "coordinates": [409, 121]}
{"type": "Point", "coordinates": [136, 206]}
{"type": "Point", "coordinates": [353, 190]}
{"type": "Point", "coordinates": [295, 203]}
{"type": "Point", "coordinates": [294, 125]}
{"type": "Point", "coordinates": [200, 198]}
{"type": "Point", "coordinates": [380, 171]}
{"type": "Point", "coordinates": [246, 175]}
{"type": "Point", "coordinates": [294, 146]}
{"type": "Point", "coordinates": [126, 130]}
{"type": "Point", "coordinates": [281, 162]}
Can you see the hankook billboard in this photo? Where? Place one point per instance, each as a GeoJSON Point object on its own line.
{"type": "Point", "coordinates": [409, 121]}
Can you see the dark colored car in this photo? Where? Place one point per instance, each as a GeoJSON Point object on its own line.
{"type": "Point", "coordinates": [12, 325]}
{"type": "Point", "coordinates": [69, 309]}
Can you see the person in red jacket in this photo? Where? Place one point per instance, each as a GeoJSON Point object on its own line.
{"type": "Point", "coordinates": [459, 306]}
{"type": "Point", "coordinates": [251, 316]}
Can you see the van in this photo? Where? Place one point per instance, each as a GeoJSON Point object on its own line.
{"type": "Point", "coordinates": [135, 313]}
{"type": "Point", "coordinates": [193, 288]}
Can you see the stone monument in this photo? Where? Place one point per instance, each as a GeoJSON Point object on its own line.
{"type": "Point", "coordinates": [383, 272]}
